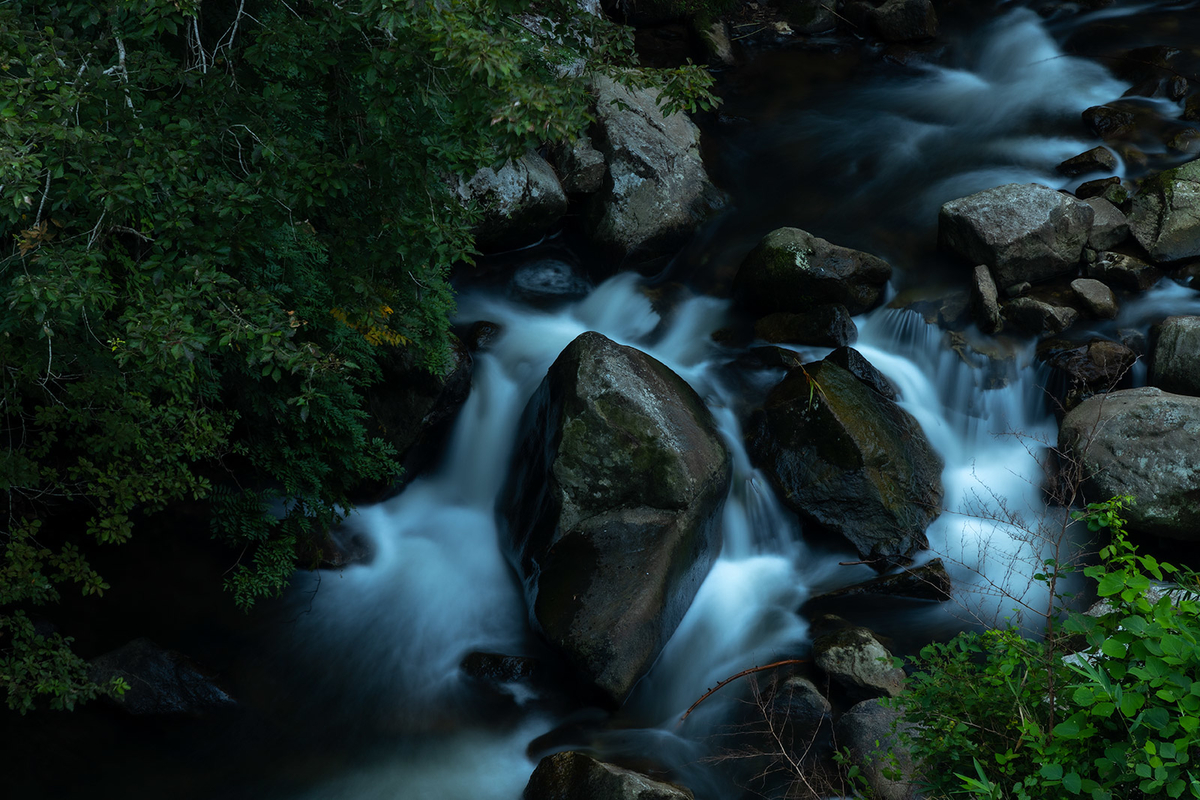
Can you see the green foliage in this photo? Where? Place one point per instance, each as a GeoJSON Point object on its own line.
{"type": "Point", "coordinates": [999, 715]}
{"type": "Point", "coordinates": [217, 217]}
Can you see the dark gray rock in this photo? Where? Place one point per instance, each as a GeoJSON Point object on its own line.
{"type": "Point", "coordinates": [1108, 188]}
{"type": "Point", "coordinates": [1176, 364]}
{"type": "Point", "coordinates": [1122, 271]}
{"type": "Point", "coordinates": [801, 719]}
{"type": "Point", "coordinates": [849, 461]}
{"type": "Point", "coordinates": [857, 365]}
{"type": "Point", "coordinates": [656, 191]}
{"type": "Point", "coordinates": [161, 682]}
{"type": "Point", "coordinates": [793, 271]}
{"type": "Point", "coordinates": [868, 730]}
{"type": "Point", "coordinates": [520, 201]}
{"type": "Point", "coordinates": [1109, 226]}
{"type": "Point", "coordinates": [1022, 232]}
{"type": "Point", "coordinates": [580, 165]}
{"type": "Point", "coordinates": [1110, 122]}
{"type": "Point", "coordinates": [824, 326]}
{"type": "Point", "coordinates": [929, 581]}
{"type": "Point", "coordinates": [1037, 317]}
{"type": "Point", "coordinates": [985, 301]}
{"type": "Point", "coordinates": [574, 776]}
{"type": "Point", "coordinates": [1166, 214]}
{"type": "Point", "coordinates": [1098, 159]}
{"type": "Point", "coordinates": [1086, 370]}
{"type": "Point", "coordinates": [897, 20]}
{"type": "Point", "coordinates": [1143, 442]}
{"type": "Point", "coordinates": [547, 281]}
{"type": "Point", "coordinates": [808, 16]}
{"type": "Point", "coordinates": [1096, 297]}
{"type": "Point", "coordinates": [613, 507]}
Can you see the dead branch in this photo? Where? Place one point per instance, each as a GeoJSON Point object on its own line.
{"type": "Point", "coordinates": [722, 684]}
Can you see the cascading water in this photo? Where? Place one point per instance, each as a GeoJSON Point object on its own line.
{"type": "Point", "coordinates": [439, 587]}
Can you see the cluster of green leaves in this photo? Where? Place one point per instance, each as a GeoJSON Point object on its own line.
{"type": "Point", "coordinates": [215, 217]}
{"type": "Point", "coordinates": [998, 715]}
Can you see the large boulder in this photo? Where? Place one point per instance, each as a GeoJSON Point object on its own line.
{"type": "Point", "coordinates": [520, 201]}
{"type": "Point", "coordinates": [1166, 214]}
{"type": "Point", "coordinates": [613, 509]}
{"type": "Point", "coordinates": [1023, 232]}
{"type": "Point", "coordinates": [792, 271]}
{"type": "Point", "coordinates": [1142, 442]}
{"type": "Point", "coordinates": [656, 191]}
{"type": "Point", "coordinates": [161, 682]}
{"type": "Point", "coordinates": [868, 731]}
{"type": "Point", "coordinates": [856, 660]}
{"type": "Point", "coordinates": [572, 775]}
{"type": "Point", "coordinates": [1176, 365]}
{"type": "Point", "coordinates": [800, 719]}
{"type": "Point", "coordinates": [849, 460]}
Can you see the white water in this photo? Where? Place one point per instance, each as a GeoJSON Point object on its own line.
{"type": "Point", "coordinates": [389, 635]}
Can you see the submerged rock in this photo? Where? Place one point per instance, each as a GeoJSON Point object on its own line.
{"type": "Point", "coordinates": [849, 460]}
{"type": "Point", "coordinates": [1144, 442]}
{"type": "Point", "coordinates": [1166, 214]}
{"type": "Point", "coordinates": [613, 507]}
{"type": "Point", "coordinates": [573, 775]}
{"type": "Point", "coordinates": [656, 191]}
{"type": "Point", "coordinates": [793, 271]}
{"type": "Point", "coordinates": [161, 682]}
{"type": "Point", "coordinates": [1022, 232]}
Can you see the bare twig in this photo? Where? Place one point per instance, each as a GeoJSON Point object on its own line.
{"type": "Point", "coordinates": [741, 674]}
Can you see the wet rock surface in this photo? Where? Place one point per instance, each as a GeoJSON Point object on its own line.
{"type": "Point", "coordinates": [615, 523]}
{"type": "Point", "coordinates": [1086, 370]}
{"type": "Point", "coordinates": [1176, 361]}
{"type": "Point", "coordinates": [161, 682]}
{"type": "Point", "coordinates": [573, 775]}
{"type": "Point", "coordinates": [1166, 214]}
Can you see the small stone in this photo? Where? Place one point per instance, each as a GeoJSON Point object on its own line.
{"type": "Point", "coordinates": [1098, 159]}
{"type": "Point", "coordinates": [1097, 188]}
{"type": "Point", "coordinates": [985, 303]}
{"type": "Point", "coordinates": [1096, 297]}
{"type": "Point", "coordinates": [1037, 317]}
{"type": "Point", "coordinates": [1123, 272]}
{"type": "Point", "coordinates": [1017, 289]}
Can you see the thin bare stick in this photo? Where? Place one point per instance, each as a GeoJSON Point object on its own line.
{"type": "Point", "coordinates": [741, 674]}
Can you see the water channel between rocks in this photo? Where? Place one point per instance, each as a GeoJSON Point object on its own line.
{"type": "Point", "coordinates": [866, 167]}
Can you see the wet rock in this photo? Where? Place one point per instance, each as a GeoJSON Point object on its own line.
{"type": "Point", "coordinates": [824, 326]}
{"type": "Point", "coordinates": [985, 301]}
{"type": "Point", "coordinates": [1022, 232]}
{"type": "Point", "coordinates": [1108, 188]}
{"type": "Point", "coordinates": [515, 678]}
{"type": "Point", "coordinates": [161, 682]}
{"type": "Point", "coordinates": [1086, 370]}
{"type": "Point", "coordinates": [1098, 159]}
{"type": "Point", "coordinates": [1109, 226]}
{"type": "Point", "coordinates": [1017, 289]}
{"type": "Point", "coordinates": [580, 165]}
{"type": "Point", "coordinates": [1123, 272]}
{"type": "Point", "coordinates": [849, 461]}
{"type": "Point", "coordinates": [613, 507]}
{"type": "Point", "coordinates": [1166, 213]}
{"type": "Point", "coordinates": [1144, 442]}
{"type": "Point", "coordinates": [1176, 363]}
{"type": "Point", "coordinates": [869, 731]}
{"type": "Point", "coordinates": [792, 271]}
{"type": "Point", "coordinates": [572, 775]}
{"type": "Point", "coordinates": [802, 719]}
{"type": "Point", "coordinates": [482, 334]}
{"type": "Point", "coordinates": [1191, 109]}
{"type": "Point", "coordinates": [717, 44]}
{"type": "Point", "coordinates": [930, 581]}
{"type": "Point", "coordinates": [656, 191]}
{"type": "Point", "coordinates": [895, 20]}
{"type": "Point", "coordinates": [808, 16]}
{"type": "Point", "coordinates": [1096, 297]}
{"type": "Point", "coordinates": [412, 409]}
{"type": "Point", "coordinates": [852, 657]}
{"type": "Point", "coordinates": [1037, 317]}
{"type": "Point", "coordinates": [1184, 141]}
{"type": "Point", "coordinates": [1110, 122]}
{"type": "Point", "coordinates": [520, 201]}
{"type": "Point", "coordinates": [546, 282]}
{"type": "Point", "coordinates": [857, 365]}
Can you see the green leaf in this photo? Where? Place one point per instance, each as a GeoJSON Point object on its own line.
{"type": "Point", "coordinates": [1072, 782]}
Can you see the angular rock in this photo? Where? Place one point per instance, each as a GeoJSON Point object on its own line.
{"type": "Point", "coordinates": [1108, 188]}
{"type": "Point", "coordinates": [1037, 317]}
{"type": "Point", "coordinates": [824, 326]}
{"type": "Point", "coordinates": [580, 165]}
{"type": "Point", "coordinates": [1186, 140]}
{"type": "Point", "coordinates": [1123, 272]}
{"type": "Point", "coordinates": [868, 730]}
{"type": "Point", "coordinates": [1166, 213]}
{"type": "Point", "coordinates": [856, 660]}
{"type": "Point", "coordinates": [792, 271]}
{"type": "Point", "coordinates": [1109, 226]}
{"type": "Point", "coordinates": [717, 43]}
{"type": "Point", "coordinates": [1023, 232]}
{"type": "Point", "coordinates": [1096, 297]}
{"type": "Point", "coordinates": [929, 581]}
{"type": "Point", "coordinates": [161, 682]}
{"type": "Point", "coordinates": [520, 201]}
{"type": "Point", "coordinates": [574, 776]}
{"type": "Point", "coordinates": [1176, 364]}
{"type": "Point", "coordinates": [802, 719]}
{"type": "Point", "coordinates": [985, 301]}
{"type": "Point", "coordinates": [1085, 370]}
{"type": "Point", "coordinates": [1110, 122]}
{"type": "Point", "coordinates": [656, 191]}
{"type": "Point", "coordinates": [613, 507]}
{"type": "Point", "coordinates": [857, 365]}
{"type": "Point", "coordinates": [1144, 442]}
{"type": "Point", "coordinates": [849, 461]}
{"type": "Point", "coordinates": [1191, 109]}
{"type": "Point", "coordinates": [1098, 159]}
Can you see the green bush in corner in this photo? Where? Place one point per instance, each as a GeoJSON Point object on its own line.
{"type": "Point", "coordinates": [999, 715]}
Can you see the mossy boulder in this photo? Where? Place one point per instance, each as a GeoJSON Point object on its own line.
{"type": "Point", "coordinates": [613, 507]}
{"type": "Point", "coordinates": [849, 461]}
{"type": "Point", "coordinates": [1166, 214]}
{"type": "Point", "coordinates": [792, 271]}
